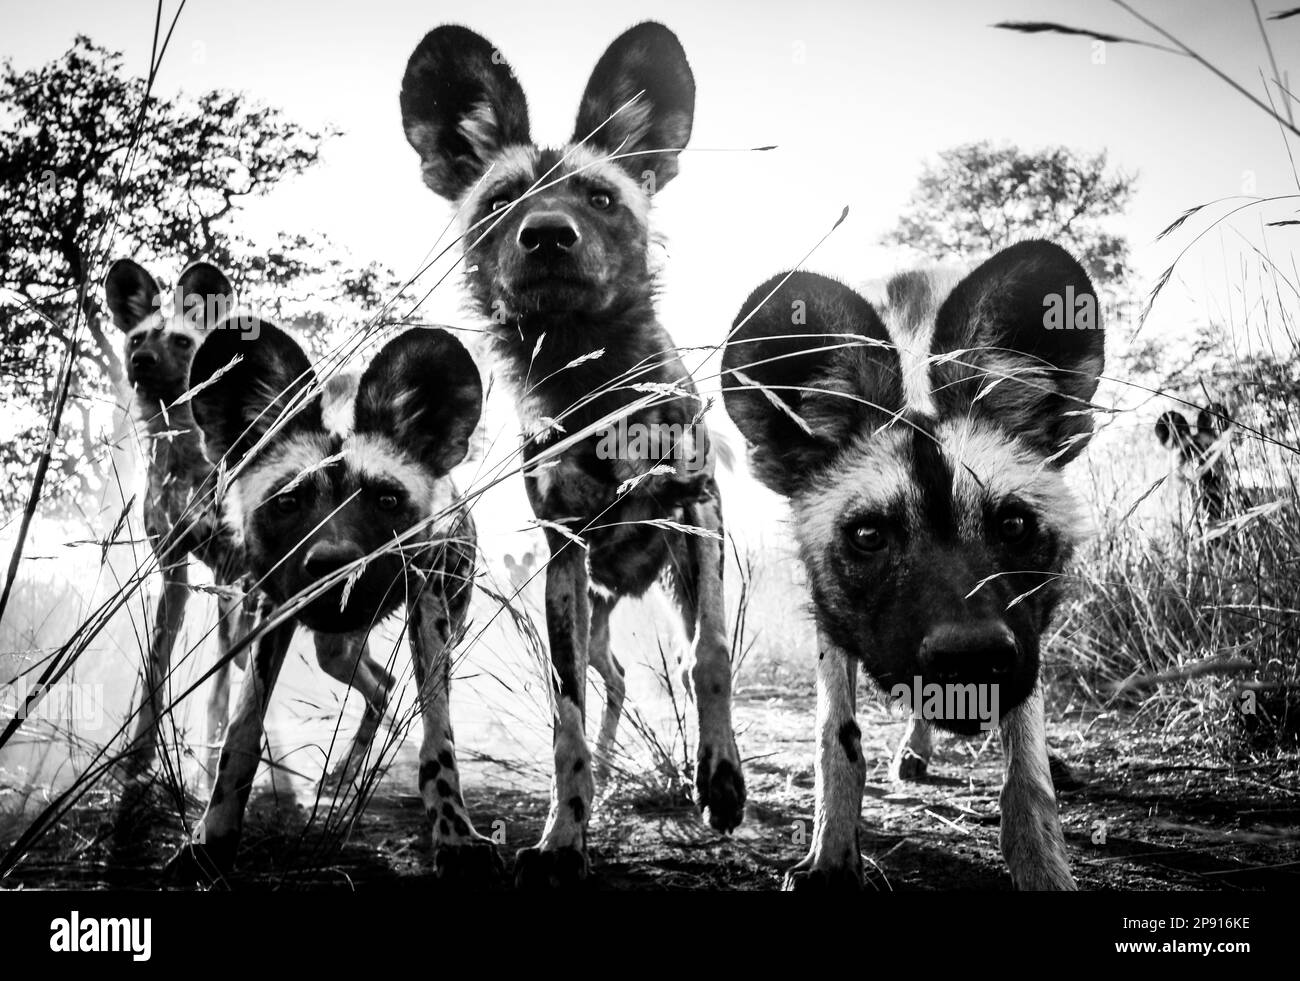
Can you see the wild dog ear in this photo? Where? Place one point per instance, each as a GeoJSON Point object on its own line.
{"type": "Point", "coordinates": [423, 391]}
{"type": "Point", "coordinates": [461, 105]}
{"type": "Point", "coordinates": [647, 59]}
{"type": "Point", "coordinates": [790, 348]}
{"type": "Point", "coordinates": [1172, 430]}
{"type": "Point", "coordinates": [1213, 421]}
{"type": "Point", "coordinates": [238, 401]}
{"type": "Point", "coordinates": [130, 292]}
{"type": "Point", "coordinates": [206, 295]}
{"type": "Point", "coordinates": [1025, 334]}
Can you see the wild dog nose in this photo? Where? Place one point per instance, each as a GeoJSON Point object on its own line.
{"type": "Point", "coordinates": [546, 232]}
{"type": "Point", "coordinates": [968, 652]}
{"type": "Point", "coordinates": [324, 558]}
{"type": "Point", "coordinates": [143, 359]}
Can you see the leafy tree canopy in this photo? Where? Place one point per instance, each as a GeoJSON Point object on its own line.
{"type": "Point", "coordinates": [979, 198]}
{"type": "Point", "coordinates": [91, 169]}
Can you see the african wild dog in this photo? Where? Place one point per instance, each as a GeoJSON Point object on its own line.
{"type": "Point", "coordinates": [520, 571]}
{"type": "Point", "coordinates": [343, 502]}
{"type": "Point", "coordinates": [182, 515]}
{"type": "Point", "coordinates": [1198, 460]}
{"type": "Point", "coordinates": [921, 448]}
{"type": "Point", "coordinates": [556, 248]}
{"type": "Point", "coordinates": [1210, 495]}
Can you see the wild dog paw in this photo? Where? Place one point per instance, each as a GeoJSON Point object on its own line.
{"type": "Point", "coordinates": [811, 876]}
{"type": "Point", "coordinates": [1035, 855]}
{"type": "Point", "coordinates": [1045, 877]}
{"type": "Point", "coordinates": [202, 865]}
{"type": "Point", "coordinates": [559, 868]}
{"type": "Point", "coordinates": [720, 787]}
{"type": "Point", "coordinates": [908, 767]}
{"type": "Point", "coordinates": [472, 861]}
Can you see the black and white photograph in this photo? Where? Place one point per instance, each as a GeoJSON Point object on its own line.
{"type": "Point", "coordinates": [551, 453]}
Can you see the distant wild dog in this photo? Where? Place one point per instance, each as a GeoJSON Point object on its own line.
{"type": "Point", "coordinates": [921, 447]}
{"type": "Point", "coordinates": [1199, 460]}
{"type": "Point", "coordinates": [557, 257]}
{"type": "Point", "coordinates": [343, 501]}
{"type": "Point", "coordinates": [182, 515]}
{"type": "Point", "coordinates": [1211, 498]}
{"type": "Point", "coordinates": [520, 570]}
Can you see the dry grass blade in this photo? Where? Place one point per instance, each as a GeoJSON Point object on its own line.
{"type": "Point", "coordinates": [658, 470]}
{"type": "Point", "coordinates": [561, 530]}
{"type": "Point", "coordinates": [776, 401]}
{"type": "Point", "coordinates": [1177, 223]}
{"type": "Point", "coordinates": [210, 380]}
{"type": "Point", "coordinates": [122, 519]}
{"type": "Point", "coordinates": [1048, 27]}
{"type": "Point", "coordinates": [669, 525]}
{"type": "Point", "coordinates": [1151, 489]}
{"type": "Point", "coordinates": [1156, 290]}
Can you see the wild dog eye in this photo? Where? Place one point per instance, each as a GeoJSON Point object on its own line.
{"type": "Point", "coordinates": [388, 501]}
{"type": "Point", "coordinates": [286, 503]}
{"type": "Point", "coordinates": [135, 340]}
{"type": "Point", "coordinates": [866, 536]}
{"type": "Point", "coordinates": [498, 203]}
{"type": "Point", "coordinates": [600, 200]}
{"type": "Point", "coordinates": [1015, 527]}
{"type": "Point", "coordinates": [182, 342]}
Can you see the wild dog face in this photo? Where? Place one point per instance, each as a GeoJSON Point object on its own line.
{"type": "Point", "coordinates": [162, 334]}
{"type": "Point", "coordinates": [564, 229]}
{"type": "Point", "coordinates": [920, 447]}
{"type": "Point", "coordinates": [324, 479]}
{"type": "Point", "coordinates": [1198, 454]}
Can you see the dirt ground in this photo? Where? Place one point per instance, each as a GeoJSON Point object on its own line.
{"type": "Point", "coordinates": [1147, 818]}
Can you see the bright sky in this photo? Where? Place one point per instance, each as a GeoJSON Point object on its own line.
{"type": "Point", "coordinates": [856, 95]}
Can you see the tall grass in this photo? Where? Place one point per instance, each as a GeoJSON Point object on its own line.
{"type": "Point", "coordinates": [1189, 626]}
{"type": "Point", "coordinates": [1186, 624]}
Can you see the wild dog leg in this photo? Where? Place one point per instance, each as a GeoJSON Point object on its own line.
{"type": "Point", "coordinates": [211, 851]}
{"type": "Point", "coordinates": [458, 850]}
{"type": "Point", "coordinates": [1032, 843]}
{"type": "Point", "coordinates": [231, 625]}
{"type": "Point", "coordinates": [912, 758]}
{"type": "Point", "coordinates": [560, 858]}
{"type": "Point", "coordinates": [719, 783]}
{"type": "Point", "coordinates": [346, 658]}
{"type": "Point", "coordinates": [1063, 775]}
{"type": "Point", "coordinates": [168, 617]}
{"type": "Point", "coordinates": [835, 859]}
{"type": "Point", "coordinates": [611, 672]}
